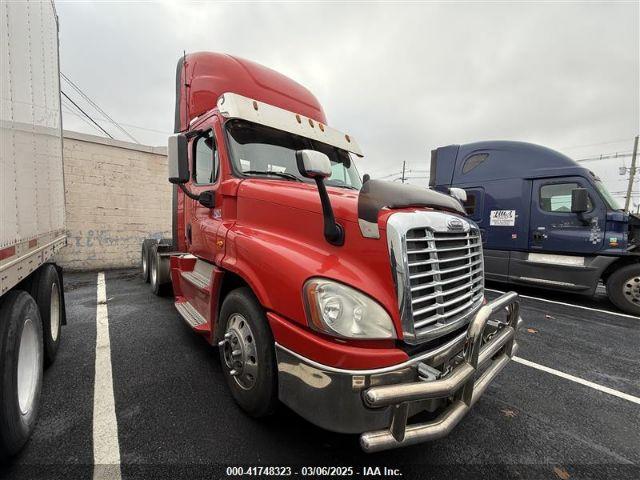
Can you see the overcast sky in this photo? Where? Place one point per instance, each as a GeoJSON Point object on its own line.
{"type": "Point", "coordinates": [402, 78]}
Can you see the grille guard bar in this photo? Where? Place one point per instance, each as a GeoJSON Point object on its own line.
{"type": "Point", "coordinates": [460, 384]}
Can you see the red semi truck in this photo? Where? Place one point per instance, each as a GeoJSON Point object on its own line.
{"type": "Point", "coordinates": [357, 304]}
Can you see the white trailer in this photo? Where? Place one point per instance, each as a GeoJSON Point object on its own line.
{"type": "Point", "coordinates": [32, 217]}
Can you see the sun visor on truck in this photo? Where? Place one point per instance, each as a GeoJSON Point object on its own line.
{"type": "Point", "coordinates": [378, 194]}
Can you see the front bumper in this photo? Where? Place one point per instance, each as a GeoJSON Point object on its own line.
{"type": "Point", "coordinates": [378, 403]}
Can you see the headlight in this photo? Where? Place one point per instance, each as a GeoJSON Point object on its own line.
{"type": "Point", "coordinates": [341, 311]}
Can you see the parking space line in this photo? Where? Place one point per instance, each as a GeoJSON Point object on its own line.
{"type": "Point", "coordinates": [595, 386]}
{"type": "Point", "coordinates": [570, 305]}
{"type": "Point", "coordinates": [106, 450]}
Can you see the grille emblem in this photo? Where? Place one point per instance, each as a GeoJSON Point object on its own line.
{"type": "Point", "coordinates": [455, 224]}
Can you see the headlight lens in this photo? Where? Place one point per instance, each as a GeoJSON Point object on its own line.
{"type": "Point", "coordinates": [341, 311]}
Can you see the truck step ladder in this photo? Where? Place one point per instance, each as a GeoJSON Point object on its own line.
{"type": "Point", "coordinates": [190, 315]}
{"type": "Point", "coordinates": [196, 279]}
{"type": "Point", "coordinates": [200, 276]}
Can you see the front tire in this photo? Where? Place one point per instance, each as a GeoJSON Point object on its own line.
{"type": "Point", "coordinates": [623, 288]}
{"type": "Point", "coordinates": [21, 367]}
{"type": "Point", "coordinates": [247, 354]}
{"type": "Point", "coordinates": [47, 292]}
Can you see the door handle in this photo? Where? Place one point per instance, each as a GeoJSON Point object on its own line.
{"type": "Point", "coordinates": [539, 236]}
{"type": "Point", "coordinates": [189, 232]}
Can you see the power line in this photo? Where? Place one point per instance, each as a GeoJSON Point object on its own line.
{"type": "Point", "coordinates": [137, 127]}
{"type": "Point", "coordinates": [91, 102]}
{"type": "Point", "coordinates": [594, 144]}
{"type": "Point", "coordinates": [86, 97]}
{"type": "Point", "coordinates": [67, 108]}
{"type": "Point", "coordinates": [86, 114]}
{"type": "Point", "coordinates": [400, 173]}
{"type": "Point", "coordinates": [605, 156]}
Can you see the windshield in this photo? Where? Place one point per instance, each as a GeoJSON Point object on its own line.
{"type": "Point", "coordinates": [259, 150]}
{"type": "Point", "coordinates": [611, 202]}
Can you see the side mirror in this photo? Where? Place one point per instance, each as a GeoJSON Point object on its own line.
{"type": "Point", "coordinates": [207, 198]}
{"type": "Point", "coordinates": [313, 164]}
{"type": "Point", "coordinates": [459, 194]}
{"type": "Point", "coordinates": [316, 165]}
{"type": "Point", "coordinates": [579, 200]}
{"type": "Point", "coordinates": [178, 159]}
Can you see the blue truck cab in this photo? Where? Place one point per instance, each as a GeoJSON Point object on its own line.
{"type": "Point", "coordinates": [545, 220]}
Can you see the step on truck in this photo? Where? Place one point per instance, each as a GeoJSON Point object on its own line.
{"type": "Point", "coordinates": [358, 305]}
{"type": "Point", "coordinates": [32, 216]}
{"type": "Point", "coordinates": [546, 221]}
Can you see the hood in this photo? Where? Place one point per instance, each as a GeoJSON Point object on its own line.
{"type": "Point", "coordinates": [377, 194]}
{"type": "Point", "coordinates": [362, 207]}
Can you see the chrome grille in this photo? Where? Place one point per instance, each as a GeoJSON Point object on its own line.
{"type": "Point", "coordinates": [445, 275]}
{"type": "Point", "coordinates": [438, 271]}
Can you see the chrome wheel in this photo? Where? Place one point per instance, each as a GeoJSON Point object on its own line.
{"type": "Point", "coordinates": [631, 290]}
{"type": "Point", "coordinates": [239, 350]}
{"type": "Point", "coordinates": [28, 362]}
{"type": "Point", "coordinates": [54, 312]}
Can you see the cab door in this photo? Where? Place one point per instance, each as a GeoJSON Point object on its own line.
{"type": "Point", "coordinates": [555, 228]}
{"type": "Point", "coordinates": [202, 222]}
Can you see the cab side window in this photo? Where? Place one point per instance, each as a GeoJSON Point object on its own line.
{"type": "Point", "coordinates": [556, 197]}
{"type": "Point", "coordinates": [206, 163]}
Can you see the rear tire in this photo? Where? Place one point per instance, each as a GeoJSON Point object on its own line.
{"type": "Point", "coordinates": [254, 386]}
{"type": "Point", "coordinates": [20, 370]}
{"type": "Point", "coordinates": [47, 291]}
{"type": "Point", "coordinates": [623, 288]}
{"type": "Point", "coordinates": [155, 277]}
{"type": "Point", "coordinates": [145, 259]}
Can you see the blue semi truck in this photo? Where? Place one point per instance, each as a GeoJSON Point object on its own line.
{"type": "Point", "coordinates": [545, 220]}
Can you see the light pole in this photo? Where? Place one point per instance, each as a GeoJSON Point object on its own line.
{"type": "Point", "coordinates": [627, 201]}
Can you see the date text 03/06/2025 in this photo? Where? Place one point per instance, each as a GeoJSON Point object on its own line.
{"type": "Point", "coordinates": [316, 471]}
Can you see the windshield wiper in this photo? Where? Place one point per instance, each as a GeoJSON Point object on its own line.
{"type": "Point", "coordinates": [350, 187]}
{"type": "Point", "coordinates": [288, 176]}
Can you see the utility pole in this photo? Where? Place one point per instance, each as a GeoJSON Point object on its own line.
{"type": "Point", "coordinates": [404, 163]}
{"type": "Point", "coordinates": [627, 201]}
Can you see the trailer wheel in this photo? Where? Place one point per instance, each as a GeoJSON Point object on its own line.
{"type": "Point", "coordinates": [20, 370]}
{"type": "Point", "coordinates": [47, 292]}
{"type": "Point", "coordinates": [247, 354]}
{"type": "Point", "coordinates": [159, 285]}
{"type": "Point", "coordinates": [623, 288]}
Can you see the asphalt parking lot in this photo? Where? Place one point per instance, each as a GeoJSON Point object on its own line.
{"type": "Point", "coordinates": [175, 417]}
